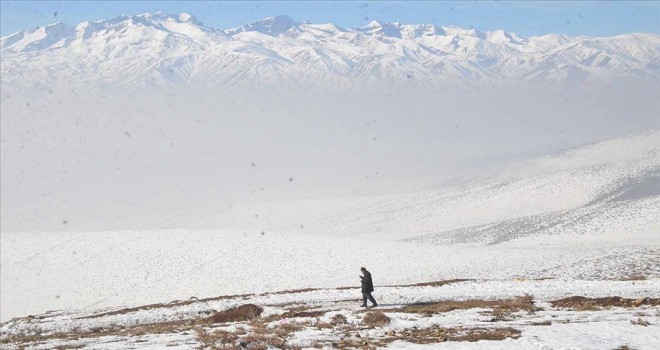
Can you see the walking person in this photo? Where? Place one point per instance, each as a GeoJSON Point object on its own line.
{"type": "Point", "coordinates": [367, 288]}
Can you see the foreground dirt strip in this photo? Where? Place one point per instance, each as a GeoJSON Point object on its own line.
{"type": "Point", "coordinates": [274, 330]}
{"type": "Point", "coordinates": [245, 296]}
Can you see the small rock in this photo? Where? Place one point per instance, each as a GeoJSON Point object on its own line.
{"type": "Point", "coordinates": [640, 322]}
{"type": "Point", "coordinates": [639, 302]}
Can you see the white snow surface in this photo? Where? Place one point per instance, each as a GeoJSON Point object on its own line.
{"type": "Point", "coordinates": [165, 51]}
{"type": "Point", "coordinates": [590, 217]}
{"type": "Point", "coordinates": [55, 270]}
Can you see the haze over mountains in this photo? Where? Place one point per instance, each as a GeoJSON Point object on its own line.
{"type": "Point", "coordinates": [129, 122]}
{"type": "Point", "coordinates": [156, 50]}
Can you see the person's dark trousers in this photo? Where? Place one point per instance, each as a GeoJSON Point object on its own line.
{"type": "Point", "coordinates": [370, 297]}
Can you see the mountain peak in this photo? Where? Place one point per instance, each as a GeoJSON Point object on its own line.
{"type": "Point", "coordinates": [383, 28]}
{"type": "Point", "coordinates": [273, 26]}
{"type": "Point", "coordinates": [162, 16]}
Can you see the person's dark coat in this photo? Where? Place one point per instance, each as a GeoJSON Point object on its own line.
{"type": "Point", "coordinates": [367, 284]}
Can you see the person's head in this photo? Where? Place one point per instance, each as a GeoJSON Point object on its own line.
{"type": "Point", "coordinates": [363, 270]}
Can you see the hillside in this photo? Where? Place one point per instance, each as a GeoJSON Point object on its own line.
{"type": "Point", "coordinates": [591, 219]}
{"type": "Point", "coordinates": [608, 186]}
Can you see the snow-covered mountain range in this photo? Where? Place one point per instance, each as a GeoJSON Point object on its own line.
{"type": "Point", "coordinates": [160, 50]}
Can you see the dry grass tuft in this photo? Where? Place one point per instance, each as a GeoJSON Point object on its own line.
{"type": "Point", "coordinates": [338, 320]}
{"type": "Point", "coordinates": [505, 311]}
{"type": "Point", "coordinates": [501, 308]}
{"type": "Point", "coordinates": [437, 334]}
{"type": "Point", "coordinates": [69, 346]}
{"type": "Point", "coordinates": [217, 339]}
{"type": "Point", "coordinates": [633, 278]}
{"type": "Point", "coordinates": [257, 341]}
{"type": "Point", "coordinates": [285, 329]}
{"type": "Point", "coordinates": [300, 311]}
{"type": "Point", "coordinates": [477, 334]}
{"type": "Point", "coordinates": [245, 312]}
{"type": "Point", "coordinates": [441, 283]}
{"type": "Point", "coordinates": [375, 319]}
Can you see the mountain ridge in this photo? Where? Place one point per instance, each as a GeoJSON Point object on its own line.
{"type": "Point", "coordinates": [167, 51]}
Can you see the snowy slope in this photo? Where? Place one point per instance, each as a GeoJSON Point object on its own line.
{"type": "Point", "coordinates": [614, 181]}
{"type": "Point", "coordinates": [582, 215]}
{"type": "Point", "coordinates": [159, 50]}
{"type": "Point", "coordinates": [54, 270]}
{"type": "Point", "coordinates": [631, 220]}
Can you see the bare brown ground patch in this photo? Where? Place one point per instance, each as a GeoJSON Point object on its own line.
{"type": "Point", "coordinates": [112, 330]}
{"type": "Point", "coordinates": [375, 319]}
{"type": "Point", "coordinates": [500, 307]}
{"type": "Point", "coordinates": [581, 303]}
{"type": "Point", "coordinates": [431, 335]}
{"type": "Point", "coordinates": [303, 312]}
{"type": "Point", "coordinates": [242, 313]}
{"type": "Point", "coordinates": [245, 312]}
{"type": "Point", "coordinates": [216, 339]}
{"type": "Point", "coordinates": [263, 335]}
{"type": "Point", "coordinates": [297, 311]}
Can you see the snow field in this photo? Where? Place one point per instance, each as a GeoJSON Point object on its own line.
{"type": "Point", "coordinates": [102, 269]}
